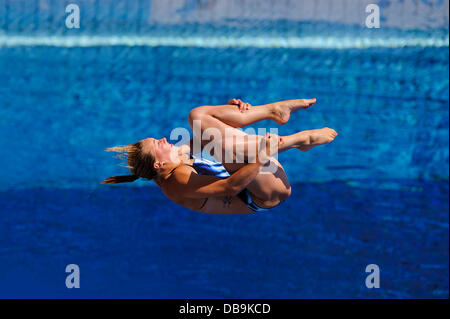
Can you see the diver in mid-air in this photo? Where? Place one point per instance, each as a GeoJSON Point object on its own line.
{"type": "Point", "coordinates": [224, 187]}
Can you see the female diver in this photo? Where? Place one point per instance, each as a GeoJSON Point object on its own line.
{"type": "Point", "coordinates": [221, 187]}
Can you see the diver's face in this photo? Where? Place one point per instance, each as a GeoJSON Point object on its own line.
{"type": "Point", "coordinates": [163, 151]}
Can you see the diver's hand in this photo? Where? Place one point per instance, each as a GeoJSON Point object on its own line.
{"type": "Point", "coordinates": [268, 146]}
{"type": "Point", "coordinates": [240, 104]}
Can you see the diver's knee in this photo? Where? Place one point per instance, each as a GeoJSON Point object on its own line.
{"type": "Point", "coordinates": [195, 114]}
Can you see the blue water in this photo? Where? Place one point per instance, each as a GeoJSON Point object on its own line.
{"type": "Point", "coordinates": [378, 194]}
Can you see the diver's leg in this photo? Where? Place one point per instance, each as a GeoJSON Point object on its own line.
{"type": "Point", "coordinates": [268, 189]}
{"type": "Point", "coordinates": [235, 144]}
{"type": "Point", "coordinates": [230, 114]}
{"type": "Point", "coordinates": [243, 148]}
{"type": "Point", "coordinates": [305, 140]}
{"type": "Point", "coordinates": [221, 117]}
{"type": "Point", "coordinates": [272, 187]}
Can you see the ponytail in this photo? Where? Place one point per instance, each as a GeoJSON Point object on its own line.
{"type": "Point", "coordinates": [120, 179]}
{"type": "Point", "coordinates": [141, 164]}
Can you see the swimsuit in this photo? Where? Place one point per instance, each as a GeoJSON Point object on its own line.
{"type": "Point", "coordinates": [207, 167]}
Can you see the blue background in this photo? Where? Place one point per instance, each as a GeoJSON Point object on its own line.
{"type": "Point", "coordinates": [378, 194]}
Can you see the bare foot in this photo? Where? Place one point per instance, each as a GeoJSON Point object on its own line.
{"type": "Point", "coordinates": [282, 110]}
{"type": "Point", "coordinates": [318, 137]}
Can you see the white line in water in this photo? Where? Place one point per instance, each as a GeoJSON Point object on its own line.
{"type": "Point", "coordinates": [224, 42]}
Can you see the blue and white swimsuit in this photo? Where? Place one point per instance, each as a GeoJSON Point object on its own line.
{"type": "Point", "coordinates": [206, 167]}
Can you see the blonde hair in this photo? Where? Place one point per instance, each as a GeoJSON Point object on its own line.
{"type": "Point", "coordinates": [139, 163]}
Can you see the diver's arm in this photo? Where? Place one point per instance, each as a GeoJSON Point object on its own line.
{"type": "Point", "coordinates": [189, 184]}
